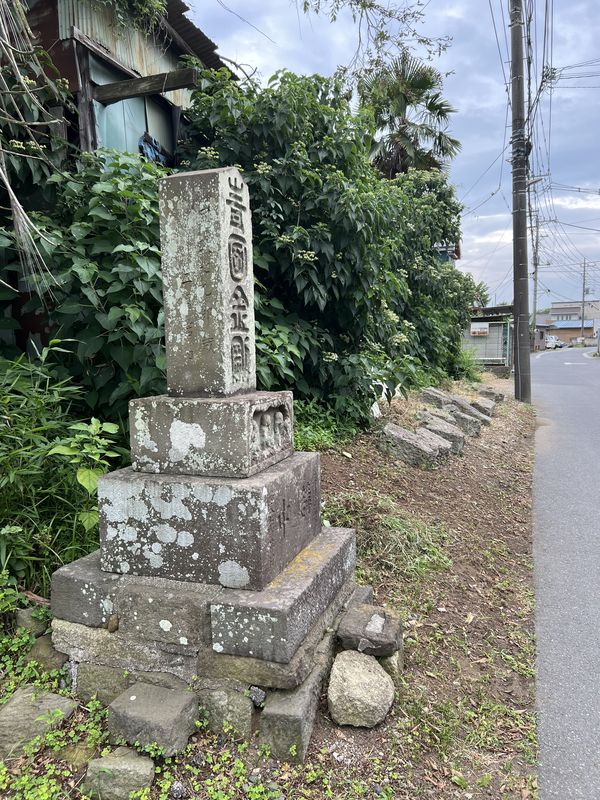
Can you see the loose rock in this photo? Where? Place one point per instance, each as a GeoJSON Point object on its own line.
{"type": "Point", "coordinates": [408, 446]}
{"type": "Point", "coordinates": [393, 664]}
{"type": "Point", "coordinates": [118, 774]}
{"type": "Point", "coordinates": [30, 713]}
{"type": "Point", "coordinates": [372, 630]}
{"type": "Point", "coordinates": [44, 653]}
{"type": "Point", "coordinates": [25, 619]}
{"type": "Point", "coordinates": [447, 431]}
{"type": "Point", "coordinates": [435, 397]}
{"type": "Point", "coordinates": [443, 446]}
{"type": "Point", "coordinates": [360, 692]}
{"type": "Point", "coordinates": [485, 405]}
{"type": "Point", "coordinates": [227, 702]}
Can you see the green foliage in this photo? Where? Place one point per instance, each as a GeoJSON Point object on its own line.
{"type": "Point", "coordinates": [351, 291]}
{"type": "Point", "coordinates": [143, 14]}
{"type": "Point", "coordinates": [48, 514]}
{"type": "Point", "coordinates": [467, 367]}
{"type": "Point", "coordinates": [318, 427]}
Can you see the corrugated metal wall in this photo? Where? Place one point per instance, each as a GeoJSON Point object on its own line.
{"type": "Point", "coordinates": [131, 47]}
{"type": "Point", "coordinates": [491, 349]}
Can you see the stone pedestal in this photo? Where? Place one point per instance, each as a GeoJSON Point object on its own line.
{"type": "Point", "coordinates": [213, 569]}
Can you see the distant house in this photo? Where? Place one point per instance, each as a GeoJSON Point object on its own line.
{"type": "Point", "coordinates": [571, 309]}
{"type": "Point", "coordinates": [541, 328]}
{"type": "Point", "coordinates": [569, 331]}
{"type": "Point", "coordinates": [129, 86]}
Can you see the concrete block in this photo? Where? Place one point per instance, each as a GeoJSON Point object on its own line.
{"type": "Point", "coordinates": [288, 718]}
{"type": "Point", "coordinates": [99, 646]}
{"type": "Point", "coordinates": [117, 775]}
{"type": "Point", "coordinates": [408, 446]}
{"type": "Point", "coordinates": [446, 430]}
{"type": "Point", "coordinates": [271, 674]}
{"type": "Point", "coordinates": [435, 397]}
{"type": "Point", "coordinates": [272, 624]}
{"type": "Point", "coordinates": [237, 533]}
{"type": "Point", "coordinates": [224, 437]}
{"type": "Point", "coordinates": [146, 715]}
{"type": "Point", "coordinates": [373, 630]}
{"type": "Point", "coordinates": [82, 593]}
{"type": "Point", "coordinates": [485, 405]}
{"type": "Point", "coordinates": [467, 423]}
{"type": "Point", "coordinates": [226, 703]}
{"type": "Point", "coordinates": [208, 283]}
{"type": "Point", "coordinates": [30, 713]}
{"type": "Point", "coordinates": [441, 446]}
{"type": "Point", "coordinates": [106, 682]}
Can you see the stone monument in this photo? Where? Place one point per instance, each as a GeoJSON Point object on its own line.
{"type": "Point", "coordinates": [213, 571]}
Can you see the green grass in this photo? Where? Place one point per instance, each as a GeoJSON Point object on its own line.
{"type": "Point", "coordinates": [317, 427]}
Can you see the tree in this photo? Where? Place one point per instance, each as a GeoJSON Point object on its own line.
{"type": "Point", "coordinates": [411, 116]}
{"type": "Point", "coordinates": [482, 294]}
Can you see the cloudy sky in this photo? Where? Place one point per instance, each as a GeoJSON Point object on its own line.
{"type": "Point", "coordinates": [566, 128]}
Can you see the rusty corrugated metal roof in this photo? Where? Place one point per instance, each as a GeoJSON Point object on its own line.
{"type": "Point", "coordinates": [199, 43]}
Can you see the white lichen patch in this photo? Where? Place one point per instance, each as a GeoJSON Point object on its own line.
{"type": "Point", "coordinates": [233, 575]}
{"type": "Point", "coordinates": [185, 438]}
{"type": "Point", "coordinates": [185, 539]}
{"type": "Point", "coordinates": [165, 625]}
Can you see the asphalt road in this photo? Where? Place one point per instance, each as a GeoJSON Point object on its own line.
{"type": "Point", "coordinates": [566, 394]}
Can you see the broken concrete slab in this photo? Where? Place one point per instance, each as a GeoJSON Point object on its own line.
{"type": "Point", "coordinates": [145, 714]}
{"type": "Point", "coordinates": [373, 630]}
{"type": "Point", "coordinates": [447, 431]}
{"type": "Point", "coordinates": [288, 718]}
{"type": "Point", "coordinates": [435, 397]}
{"type": "Point", "coordinates": [467, 423]}
{"type": "Point", "coordinates": [484, 405]}
{"type": "Point", "coordinates": [408, 446]}
{"type": "Point", "coordinates": [239, 533]}
{"type": "Point", "coordinates": [360, 692]}
{"type": "Point", "coordinates": [30, 712]}
{"type": "Point", "coordinates": [117, 775]}
{"type": "Point", "coordinates": [226, 703]}
{"type": "Point", "coordinates": [106, 683]}
{"type": "Point", "coordinates": [272, 624]}
{"type": "Point", "coordinates": [442, 446]}
{"type": "Point", "coordinates": [228, 437]}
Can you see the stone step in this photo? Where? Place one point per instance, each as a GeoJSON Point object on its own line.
{"type": "Point", "coordinates": [145, 714]}
{"type": "Point", "coordinates": [272, 624]}
{"type": "Point", "coordinates": [237, 533]}
{"type": "Point", "coordinates": [217, 436]}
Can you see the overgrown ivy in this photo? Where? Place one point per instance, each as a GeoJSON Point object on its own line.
{"type": "Point", "coordinates": [142, 14]}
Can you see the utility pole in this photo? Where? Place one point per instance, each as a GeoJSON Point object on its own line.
{"type": "Point", "coordinates": [583, 302]}
{"type": "Point", "coordinates": [536, 263]}
{"type": "Point", "coordinates": [519, 174]}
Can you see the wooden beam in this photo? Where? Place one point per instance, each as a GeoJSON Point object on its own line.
{"type": "Point", "coordinates": [140, 87]}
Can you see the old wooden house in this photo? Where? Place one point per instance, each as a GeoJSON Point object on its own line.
{"type": "Point", "coordinates": [129, 85]}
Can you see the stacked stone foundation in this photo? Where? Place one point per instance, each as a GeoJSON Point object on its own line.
{"type": "Point", "coordinates": [213, 571]}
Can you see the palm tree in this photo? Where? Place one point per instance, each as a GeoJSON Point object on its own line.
{"type": "Point", "coordinates": [411, 116]}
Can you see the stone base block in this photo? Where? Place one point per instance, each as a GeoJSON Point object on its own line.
{"type": "Point", "coordinates": [105, 683]}
{"type": "Point", "coordinates": [146, 714]}
{"type": "Point", "coordinates": [272, 624]}
{"type": "Point", "coordinates": [118, 774]}
{"type": "Point", "coordinates": [288, 718]}
{"type": "Point", "coordinates": [237, 533]}
{"type": "Point", "coordinates": [227, 436]}
{"type": "Point", "coordinates": [373, 630]}
{"type": "Point", "coordinates": [226, 704]}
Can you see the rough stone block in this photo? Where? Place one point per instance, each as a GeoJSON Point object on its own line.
{"type": "Point", "coordinates": [99, 646]}
{"type": "Point", "coordinates": [106, 682]}
{"type": "Point", "coordinates": [441, 446]}
{"type": "Point", "coordinates": [408, 446]}
{"type": "Point", "coordinates": [447, 431]}
{"type": "Point", "coordinates": [435, 397]}
{"type": "Point", "coordinates": [82, 593]}
{"type": "Point", "coordinates": [467, 423]}
{"type": "Point", "coordinates": [466, 408]}
{"type": "Point", "coordinates": [393, 664]}
{"type": "Point", "coordinates": [117, 775]}
{"type": "Point", "coordinates": [288, 718]}
{"type": "Point", "coordinates": [30, 712]}
{"type": "Point", "coordinates": [271, 674]}
{"type": "Point", "coordinates": [25, 618]}
{"type": "Point", "coordinates": [237, 533]}
{"type": "Point", "coordinates": [372, 630]}
{"type": "Point", "coordinates": [484, 405]}
{"type": "Point", "coordinates": [208, 283]}
{"type": "Point", "coordinates": [44, 653]}
{"type": "Point", "coordinates": [226, 702]}
{"type": "Point", "coordinates": [492, 394]}
{"type": "Point", "coordinates": [227, 437]}
{"type": "Point", "coordinates": [360, 691]}
{"type": "Point", "coordinates": [362, 594]}
{"type": "Point", "coordinates": [152, 715]}
{"type": "Point", "coordinates": [272, 624]}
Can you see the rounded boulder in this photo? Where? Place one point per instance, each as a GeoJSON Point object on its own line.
{"type": "Point", "coordinates": [360, 692]}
